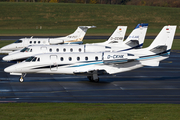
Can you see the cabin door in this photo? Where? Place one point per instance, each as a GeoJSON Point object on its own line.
{"type": "Point", "coordinates": [54, 65]}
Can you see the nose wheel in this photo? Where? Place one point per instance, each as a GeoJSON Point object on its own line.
{"type": "Point", "coordinates": [21, 79]}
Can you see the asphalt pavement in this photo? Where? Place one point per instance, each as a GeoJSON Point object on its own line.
{"type": "Point", "coordinates": [145, 85]}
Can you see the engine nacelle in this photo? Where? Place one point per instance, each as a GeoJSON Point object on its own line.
{"type": "Point", "coordinates": [56, 41]}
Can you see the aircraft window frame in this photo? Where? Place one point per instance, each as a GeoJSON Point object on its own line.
{"type": "Point", "coordinates": [61, 58]}
{"type": "Point", "coordinates": [86, 58]}
{"type": "Point", "coordinates": [39, 42]}
{"type": "Point", "coordinates": [50, 50]}
{"type": "Point", "coordinates": [57, 50]}
{"type": "Point", "coordinates": [34, 42]}
{"type": "Point", "coordinates": [96, 58]}
{"type": "Point", "coordinates": [71, 50]}
{"type": "Point", "coordinates": [78, 58]}
{"type": "Point", "coordinates": [70, 58]}
{"type": "Point", "coordinates": [38, 59]}
{"type": "Point", "coordinates": [80, 50]}
{"type": "Point", "coordinates": [30, 42]}
{"type": "Point", "coordinates": [18, 41]}
{"type": "Point", "coordinates": [64, 49]}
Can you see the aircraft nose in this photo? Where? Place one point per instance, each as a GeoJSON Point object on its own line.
{"type": "Point", "coordinates": [10, 69]}
{"type": "Point", "coordinates": [7, 58]}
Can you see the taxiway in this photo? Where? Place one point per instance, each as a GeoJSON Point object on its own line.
{"type": "Point", "coordinates": [145, 85]}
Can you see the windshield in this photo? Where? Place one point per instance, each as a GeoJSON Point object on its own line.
{"type": "Point", "coordinates": [25, 49]}
{"type": "Point", "coordinates": [29, 59]}
{"type": "Point", "coordinates": [18, 41]}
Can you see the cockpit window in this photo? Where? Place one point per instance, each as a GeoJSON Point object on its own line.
{"type": "Point", "coordinates": [25, 49]}
{"type": "Point", "coordinates": [32, 59]}
{"type": "Point", "coordinates": [18, 41]}
{"type": "Point", "coordinates": [29, 59]}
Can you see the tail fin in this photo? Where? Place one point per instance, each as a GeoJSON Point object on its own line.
{"type": "Point", "coordinates": [77, 36]}
{"type": "Point", "coordinates": [80, 31]}
{"type": "Point", "coordinates": [137, 36]}
{"type": "Point", "coordinates": [118, 35]}
{"type": "Point", "coordinates": [163, 41]}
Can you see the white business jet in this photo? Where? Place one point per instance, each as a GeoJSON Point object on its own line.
{"type": "Point", "coordinates": [74, 38]}
{"type": "Point", "coordinates": [94, 64]}
{"type": "Point", "coordinates": [114, 43]}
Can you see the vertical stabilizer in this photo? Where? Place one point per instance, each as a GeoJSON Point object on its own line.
{"type": "Point", "coordinates": [118, 35]}
{"type": "Point", "coordinates": [74, 38]}
{"type": "Point", "coordinates": [137, 36]}
{"type": "Point", "coordinates": [80, 31]}
{"type": "Point", "coordinates": [164, 40]}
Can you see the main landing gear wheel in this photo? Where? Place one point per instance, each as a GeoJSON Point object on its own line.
{"type": "Point", "coordinates": [93, 80]}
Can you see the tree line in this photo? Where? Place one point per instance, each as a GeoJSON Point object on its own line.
{"type": "Point", "coordinates": [161, 3]}
{"type": "Point", "coordinates": [123, 2]}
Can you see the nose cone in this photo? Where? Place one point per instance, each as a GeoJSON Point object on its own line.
{"type": "Point", "coordinates": [7, 58]}
{"type": "Point", "coordinates": [9, 69]}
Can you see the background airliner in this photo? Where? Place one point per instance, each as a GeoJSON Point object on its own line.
{"type": "Point", "coordinates": [114, 43]}
{"type": "Point", "coordinates": [94, 64]}
{"type": "Point", "coordinates": [74, 38]}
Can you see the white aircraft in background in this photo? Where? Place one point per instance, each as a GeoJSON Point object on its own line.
{"type": "Point", "coordinates": [74, 38]}
{"type": "Point", "coordinates": [114, 43]}
{"type": "Point", "coordinates": [94, 64]}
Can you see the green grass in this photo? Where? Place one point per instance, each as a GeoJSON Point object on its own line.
{"type": "Point", "coordinates": [89, 111]}
{"type": "Point", "coordinates": [57, 18]}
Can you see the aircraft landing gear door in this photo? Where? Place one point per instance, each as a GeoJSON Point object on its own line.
{"type": "Point", "coordinates": [54, 65]}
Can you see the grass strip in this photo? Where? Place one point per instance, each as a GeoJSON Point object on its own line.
{"type": "Point", "coordinates": [89, 111]}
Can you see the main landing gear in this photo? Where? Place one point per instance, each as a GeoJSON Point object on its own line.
{"type": "Point", "coordinates": [94, 77]}
{"type": "Point", "coordinates": [21, 78]}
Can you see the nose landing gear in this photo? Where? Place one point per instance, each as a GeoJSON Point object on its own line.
{"type": "Point", "coordinates": [21, 78]}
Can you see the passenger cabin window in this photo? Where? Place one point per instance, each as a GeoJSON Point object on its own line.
{"type": "Point", "coordinates": [39, 42]}
{"type": "Point", "coordinates": [70, 58]}
{"type": "Point", "coordinates": [78, 58]}
{"type": "Point", "coordinates": [64, 49]}
{"type": "Point", "coordinates": [57, 50]}
{"type": "Point", "coordinates": [50, 50]}
{"type": "Point", "coordinates": [61, 58]}
{"type": "Point", "coordinates": [34, 42]}
{"type": "Point", "coordinates": [18, 41]}
{"type": "Point", "coordinates": [79, 49]}
{"type": "Point", "coordinates": [96, 58]}
{"type": "Point", "coordinates": [30, 42]}
{"type": "Point", "coordinates": [86, 58]}
{"type": "Point", "coordinates": [71, 50]}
